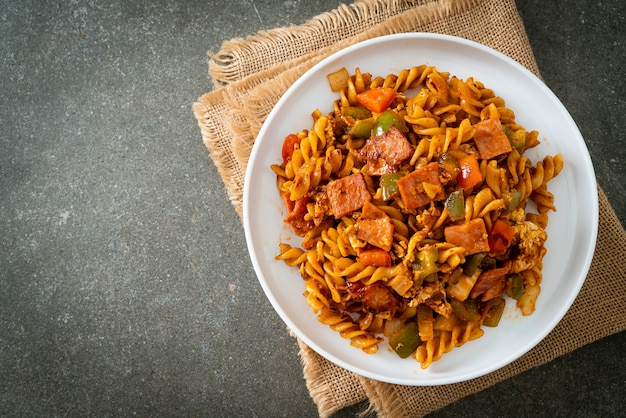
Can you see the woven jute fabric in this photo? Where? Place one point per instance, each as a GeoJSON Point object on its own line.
{"type": "Point", "coordinates": [249, 77]}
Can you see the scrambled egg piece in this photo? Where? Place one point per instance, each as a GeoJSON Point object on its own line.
{"type": "Point", "coordinates": [530, 240]}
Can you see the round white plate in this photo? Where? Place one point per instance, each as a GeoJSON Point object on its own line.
{"type": "Point", "coordinates": [571, 230]}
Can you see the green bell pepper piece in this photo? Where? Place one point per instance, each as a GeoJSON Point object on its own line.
{"type": "Point", "coordinates": [487, 263]}
{"type": "Point", "coordinates": [466, 310]}
{"type": "Point", "coordinates": [448, 167]}
{"type": "Point", "coordinates": [513, 200]}
{"type": "Point", "coordinates": [517, 140]}
{"type": "Point", "coordinates": [389, 184]}
{"type": "Point", "coordinates": [472, 262]}
{"type": "Point", "coordinates": [356, 112]}
{"type": "Point", "coordinates": [386, 120]}
{"type": "Point", "coordinates": [405, 341]}
{"type": "Point", "coordinates": [455, 203]}
{"type": "Point", "coordinates": [426, 262]}
{"type": "Point", "coordinates": [362, 128]}
{"type": "Point", "coordinates": [515, 286]}
{"type": "Point", "coordinates": [494, 309]}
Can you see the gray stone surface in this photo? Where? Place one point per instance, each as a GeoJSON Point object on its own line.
{"type": "Point", "coordinates": [125, 285]}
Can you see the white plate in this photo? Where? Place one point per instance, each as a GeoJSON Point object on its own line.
{"type": "Point", "coordinates": [571, 231]}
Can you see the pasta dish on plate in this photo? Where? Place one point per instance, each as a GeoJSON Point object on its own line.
{"type": "Point", "coordinates": [419, 213]}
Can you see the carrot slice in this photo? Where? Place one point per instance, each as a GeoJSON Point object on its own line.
{"type": "Point", "coordinates": [470, 175]}
{"type": "Point", "coordinates": [375, 257]}
{"type": "Point", "coordinates": [377, 99]}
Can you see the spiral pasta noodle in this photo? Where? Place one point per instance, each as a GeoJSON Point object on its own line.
{"type": "Point", "coordinates": [411, 199]}
{"type": "Point", "coordinates": [434, 349]}
{"type": "Point", "coordinates": [347, 328]}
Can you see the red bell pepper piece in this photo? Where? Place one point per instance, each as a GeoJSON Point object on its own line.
{"type": "Point", "coordinates": [290, 143]}
{"type": "Point", "coordinates": [500, 237]}
{"type": "Point", "coordinates": [295, 209]}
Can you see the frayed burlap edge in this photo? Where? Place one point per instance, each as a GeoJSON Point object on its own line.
{"type": "Point", "coordinates": [210, 112]}
{"type": "Point", "coordinates": [238, 58]}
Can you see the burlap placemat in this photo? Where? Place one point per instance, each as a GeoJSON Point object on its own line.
{"type": "Point", "coordinates": [251, 74]}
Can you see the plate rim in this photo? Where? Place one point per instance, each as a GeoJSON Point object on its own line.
{"type": "Point", "coordinates": [365, 44]}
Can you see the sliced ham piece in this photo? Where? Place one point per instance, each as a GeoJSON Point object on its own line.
{"type": "Point", "coordinates": [470, 235]}
{"type": "Point", "coordinates": [375, 227]}
{"type": "Point", "coordinates": [421, 186]}
{"type": "Point", "coordinates": [385, 152]}
{"type": "Point", "coordinates": [490, 139]}
{"type": "Point", "coordinates": [491, 283]}
{"type": "Point", "coordinates": [347, 194]}
{"type": "Point", "coordinates": [295, 214]}
{"type": "Point", "coordinates": [378, 297]}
